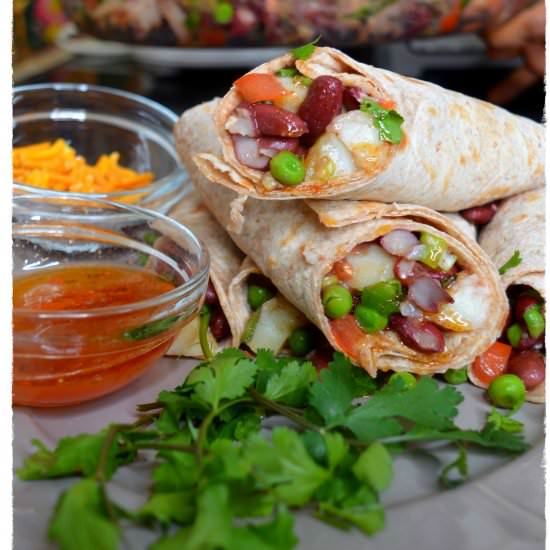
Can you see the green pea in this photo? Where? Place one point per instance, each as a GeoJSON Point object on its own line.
{"type": "Point", "coordinates": [287, 168]}
{"type": "Point", "coordinates": [370, 320]}
{"type": "Point", "coordinates": [150, 237]}
{"type": "Point", "coordinates": [301, 341]}
{"type": "Point", "coordinates": [407, 379]}
{"type": "Point", "coordinates": [287, 71]}
{"type": "Point", "coordinates": [258, 295]}
{"type": "Point", "coordinates": [514, 335]}
{"type": "Point", "coordinates": [456, 376]}
{"type": "Point", "coordinates": [534, 320]}
{"type": "Point", "coordinates": [383, 297]}
{"type": "Point", "coordinates": [507, 391]}
{"type": "Point", "coordinates": [337, 301]}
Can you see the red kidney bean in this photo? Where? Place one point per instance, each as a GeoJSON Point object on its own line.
{"type": "Point", "coordinates": [270, 146]}
{"type": "Point", "coordinates": [530, 366]}
{"type": "Point", "coordinates": [480, 215]}
{"type": "Point", "coordinates": [218, 325]}
{"type": "Point", "coordinates": [322, 103]}
{"type": "Point", "coordinates": [321, 357]}
{"type": "Point", "coordinates": [211, 298]}
{"type": "Point", "coordinates": [352, 97]}
{"type": "Point", "coordinates": [522, 304]}
{"type": "Point", "coordinates": [528, 342]}
{"type": "Point", "coordinates": [418, 334]}
{"type": "Point", "coordinates": [273, 121]}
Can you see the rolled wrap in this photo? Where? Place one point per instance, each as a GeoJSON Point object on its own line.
{"type": "Point", "coordinates": [225, 264]}
{"type": "Point", "coordinates": [519, 224]}
{"type": "Point", "coordinates": [455, 152]}
{"type": "Point", "coordinates": [296, 251]}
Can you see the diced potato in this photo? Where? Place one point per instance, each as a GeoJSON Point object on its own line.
{"type": "Point", "coordinates": [278, 320]}
{"type": "Point", "coordinates": [187, 341]}
{"type": "Point", "coordinates": [471, 298]}
{"type": "Point", "coordinates": [297, 93]}
{"type": "Point", "coordinates": [328, 158]}
{"type": "Point", "coordinates": [370, 264]}
{"type": "Point", "coordinates": [355, 128]}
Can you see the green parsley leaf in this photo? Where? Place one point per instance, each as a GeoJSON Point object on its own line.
{"type": "Point", "coordinates": [77, 455]}
{"type": "Point", "coordinates": [287, 465]}
{"type": "Point", "coordinates": [333, 394]}
{"type": "Point", "coordinates": [305, 51]}
{"type": "Point", "coordinates": [360, 508]}
{"type": "Point", "coordinates": [291, 384]}
{"type": "Point", "coordinates": [226, 377]}
{"type": "Point", "coordinates": [387, 121]}
{"type": "Point", "coordinates": [425, 404]}
{"type": "Point", "coordinates": [275, 535]}
{"type": "Point", "coordinates": [514, 261]}
{"type": "Point", "coordinates": [178, 471]}
{"type": "Point", "coordinates": [211, 527]}
{"type": "Point", "coordinates": [164, 508]}
{"type": "Point", "coordinates": [503, 422]}
{"type": "Point", "coordinates": [374, 466]}
{"type": "Point", "coordinates": [460, 465]}
{"type": "Point", "coordinates": [80, 521]}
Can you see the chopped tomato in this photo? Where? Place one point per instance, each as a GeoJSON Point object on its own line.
{"type": "Point", "coordinates": [492, 362]}
{"type": "Point", "coordinates": [348, 335]}
{"type": "Point", "coordinates": [387, 104]}
{"type": "Point", "coordinates": [259, 87]}
{"type": "Point", "coordinates": [343, 270]}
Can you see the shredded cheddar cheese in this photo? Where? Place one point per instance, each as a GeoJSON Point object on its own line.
{"type": "Point", "coordinates": [57, 166]}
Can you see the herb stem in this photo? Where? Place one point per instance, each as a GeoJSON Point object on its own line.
{"type": "Point", "coordinates": [144, 407]}
{"type": "Point", "coordinates": [165, 447]}
{"type": "Point", "coordinates": [204, 320]}
{"type": "Point", "coordinates": [283, 410]}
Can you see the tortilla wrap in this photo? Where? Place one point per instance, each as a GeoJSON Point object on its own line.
{"type": "Point", "coordinates": [225, 263]}
{"type": "Point", "coordinates": [298, 251]}
{"type": "Point", "coordinates": [519, 224]}
{"type": "Point", "coordinates": [456, 151]}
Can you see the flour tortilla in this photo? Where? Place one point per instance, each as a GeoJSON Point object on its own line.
{"type": "Point", "coordinates": [225, 264]}
{"type": "Point", "coordinates": [296, 251]}
{"type": "Point", "coordinates": [456, 151]}
{"type": "Point", "coordinates": [519, 224]}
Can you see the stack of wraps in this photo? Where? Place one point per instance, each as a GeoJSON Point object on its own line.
{"type": "Point", "coordinates": [293, 247]}
{"type": "Point", "coordinates": [454, 152]}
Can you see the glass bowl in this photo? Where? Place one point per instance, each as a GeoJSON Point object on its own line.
{"type": "Point", "coordinates": [68, 354]}
{"type": "Point", "coordinates": [96, 120]}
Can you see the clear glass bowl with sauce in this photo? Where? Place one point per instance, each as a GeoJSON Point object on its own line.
{"type": "Point", "coordinates": [97, 121]}
{"type": "Point", "coordinates": [100, 290]}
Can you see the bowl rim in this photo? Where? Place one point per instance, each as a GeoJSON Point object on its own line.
{"type": "Point", "coordinates": [188, 286]}
{"type": "Point", "coordinates": [179, 175]}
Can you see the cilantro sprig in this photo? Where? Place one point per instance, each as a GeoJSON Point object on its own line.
{"type": "Point", "coordinates": [305, 51]}
{"type": "Point", "coordinates": [222, 479]}
{"type": "Point", "coordinates": [512, 262]}
{"type": "Point", "coordinates": [387, 121]}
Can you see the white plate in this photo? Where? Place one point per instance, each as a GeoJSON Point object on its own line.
{"type": "Point", "coordinates": [172, 57]}
{"type": "Point", "coordinates": [501, 508]}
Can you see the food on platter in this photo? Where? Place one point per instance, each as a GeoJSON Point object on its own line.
{"type": "Point", "coordinates": [57, 166]}
{"type": "Point", "coordinates": [446, 304]}
{"type": "Point", "coordinates": [514, 240]}
{"type": "Point", "coordinates": [314, 123]}
{"type": "Point", "coordinates": [227, 23]}
{"type": "Point", "coordinates": [79, 331]}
